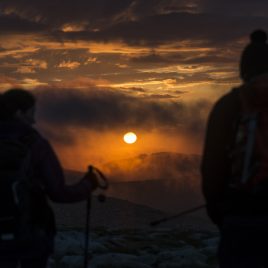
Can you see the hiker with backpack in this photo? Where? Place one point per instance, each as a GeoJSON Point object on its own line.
{"type": "Point", "coordinates": [235, 163]}
{"type": "Point", "coordinates": [30, 174]}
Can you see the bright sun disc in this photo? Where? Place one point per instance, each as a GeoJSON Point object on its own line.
{"type": "Point", "coordinates": [130, 137]}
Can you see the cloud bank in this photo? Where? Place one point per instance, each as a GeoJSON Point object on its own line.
{"type": "Point", "coordinates": [107, 109]}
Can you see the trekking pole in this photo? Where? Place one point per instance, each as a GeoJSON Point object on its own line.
{"type": "Point", "coordinates": [87, 232]}
{"type": "Point", "coordinates": [102, 184]}
{"type": "Point", "coordinates": [185, 212]}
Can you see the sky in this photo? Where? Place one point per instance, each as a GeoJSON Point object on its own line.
{"type": "Point", "coordinates": [101, 68]}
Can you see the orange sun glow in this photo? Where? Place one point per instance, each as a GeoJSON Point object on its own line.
{"type": "Point", "coordinates": [130, 138]}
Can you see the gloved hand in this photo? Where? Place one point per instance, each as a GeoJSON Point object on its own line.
{"type": "Point", "coordinates": [92, 178]}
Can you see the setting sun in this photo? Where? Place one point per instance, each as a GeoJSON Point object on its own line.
{"type": "Point", "coordinates": [130, 137]}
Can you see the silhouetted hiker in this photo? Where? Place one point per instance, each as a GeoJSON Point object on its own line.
{"type": "Point", "coordinates": [235, 163]}
{"type": "Point", "coordinates": [29, 174]}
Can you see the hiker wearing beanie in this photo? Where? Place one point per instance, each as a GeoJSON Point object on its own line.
{"type": "Point", "coordinates": [235, 163]}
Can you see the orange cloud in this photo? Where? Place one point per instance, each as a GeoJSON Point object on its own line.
{"type": "Point", "coordinates": [73, 27]}
{"type": "Point", "coordinates": [69, 64]}
{"type": "Point", "coordinates": [30, 83]}
{"type": "Point", "coordinates": [78, 83]}
{"type": "Point", "coordinates": [120, 65]}
{"type": "Point", "coordinates": [92, 60]}
{"type": "Point", "coordinates": [170, 82]}
{"type": "Point", "coordinates": [7, 82]}
{"type": "Point", "coordinates": [31, 66]}
{"type": "Point", "coordinates": [25, 70]}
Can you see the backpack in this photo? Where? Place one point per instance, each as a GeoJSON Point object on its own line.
{"type": "Point", "coordinates": [249, 154]}
{"type": "Point", "coordinates": [17, 189]}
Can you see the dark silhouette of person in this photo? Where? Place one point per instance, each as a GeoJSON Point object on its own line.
{"type": "Point", "coordinates": [242, 218]}
{"type": "Point", "coordinates": [17, 115]}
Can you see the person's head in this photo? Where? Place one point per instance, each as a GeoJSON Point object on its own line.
{"type": "Point", "coordinates": [18, 103]}
{"type": "Point", "coordinates": [254, 59]}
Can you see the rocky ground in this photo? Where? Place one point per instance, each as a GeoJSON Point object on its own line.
{"type": "Point", "coordinates": [121, 237]}
{"type": "Point", "coordinates": [137, 248]}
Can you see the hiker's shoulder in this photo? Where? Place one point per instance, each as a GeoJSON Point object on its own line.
{"type": "Point", "coordinates": [15, 129]}
{"type": "Point", "coordinates": [39, 139]}
{"type": "Point", "coordinates": [228, 102]}
{"type": "Point", "coordinates": [42, 148]}
{"type": "Point", "coordinates": [231, 97]}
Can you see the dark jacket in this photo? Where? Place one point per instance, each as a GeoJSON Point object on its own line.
{"type": "Point", "coordinates": [46, 168]}
{"type": "Point", "coordinates": [217, 163]}
{"type": "Point", "coordinates": [215, 167]}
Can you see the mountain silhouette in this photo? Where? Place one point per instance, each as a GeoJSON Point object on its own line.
{"type": "Point", "coordinates": [165, 181]}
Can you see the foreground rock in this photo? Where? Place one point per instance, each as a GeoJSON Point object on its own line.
{"type": "Point", "coordinates": [137, 248]}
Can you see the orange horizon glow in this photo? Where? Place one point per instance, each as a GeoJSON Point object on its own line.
{"type": "Point", "coordinates": [101, 148]}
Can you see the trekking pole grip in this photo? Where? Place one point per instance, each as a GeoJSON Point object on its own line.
{"type": "Point", "coordinates": [102, 180]}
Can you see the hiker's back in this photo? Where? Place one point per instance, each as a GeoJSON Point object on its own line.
{"type": "Point", "coordinates": [248, 186]}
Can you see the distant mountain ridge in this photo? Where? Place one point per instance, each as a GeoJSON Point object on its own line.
{"type": "Point", "coordinates": [147, 167]}
{"type": "Point", "coordinates": [165, 181]}
{"type": "Point", "coordinates": [142, 189]}
{"type": "Point", "coordinates": [153, 166]}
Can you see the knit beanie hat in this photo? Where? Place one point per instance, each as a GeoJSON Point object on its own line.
{"type": "Point", "coordinates": [254, 59]}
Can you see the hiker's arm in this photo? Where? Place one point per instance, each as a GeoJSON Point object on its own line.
{"type": "Point", "coordinates": [53, 180]}
{"type": "Point", "coordinates": [215, 163]}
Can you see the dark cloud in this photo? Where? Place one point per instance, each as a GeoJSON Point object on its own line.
{"type": "Point", "coordinates": [66, 137]}
{"type": "Point", "coordinates": [210, 57]}
{"type": "Point", "coordinates": [150, 58]}
{"type": "Point", "coordinates": [58, 13]}
{"type": "Point", "coordinates": [135, 22]}
{"type": "Point", "coordinates": [14, 24]}
{"type": "Point", "coordinates": [141, 8]}
{"type": "Point", "coordinates": [238, 7]}
{"type": "Point", "coordinates": [162, 96]}
{"type": "Point", "coordinates": [148, 23]}
{"type": "Point", "coordinates": [211, 29]}
{"type": "Point", "coordinates": [180, 92]}
{"type": "Point", "coordinates": [92, 13]}
{"type": "Point", "coordinates": [98, 109]}
{"type": "Point", "coordinates": [137, 89]}
{"type": "Point", "coordinates": [150, 7]}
